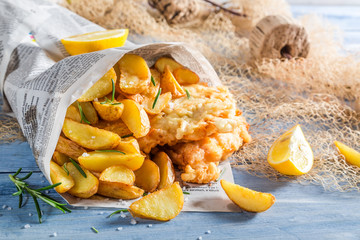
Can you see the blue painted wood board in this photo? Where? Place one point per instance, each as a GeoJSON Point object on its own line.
{"type": "Point", "coordinates": [300, 212]}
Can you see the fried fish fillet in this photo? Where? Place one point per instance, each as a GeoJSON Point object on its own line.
{"type": "Point", "coordinates": [199, 131]}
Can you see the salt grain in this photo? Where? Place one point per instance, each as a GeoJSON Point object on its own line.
{"type": "Point", "coordinates": [9, 208]}
{"type": "Point", "coordinates": [133, 222]}
{"type": "Point", "coordinates": [149, 226]}
{"type": "Point", "coordinates": [96, 99]}
{"type": "Point", "coordinates": [53, 235]}
{"type": "Point", "coordinates": [86, 207]}
{"type": "Point", "coordinates": [101, 213]}
{"type": "Point", "coordinates": [26, 226]}
{"type": "Point", "coordinates": [42, 181]}
{"type": "Point", "coordinates": [85, 154]}
{"type": "Point", "coordinates": [208, 232]}
{"type": "Point", "coordinates": [186, 199]}
{"type": "Point", "coordinates": [199, 238]}
{"type": "Point", "coordinates": [70, 131]}
{"type": "Point", "coordinates": [30, 214]}
{"type": "Point", "coordinates": [47, 191]}
{"type": "Point", "coordinates": [93, 137]}
{"type": "Point", "coordinates": [119, 228]}
{"type": "Point", "coordinates": [4, 206]}
{"type": "Point", "coordinates": [123, 215]}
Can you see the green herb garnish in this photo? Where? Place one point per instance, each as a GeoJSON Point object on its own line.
{"type": "Point", "coordinates": [36, 194]}
{"type": "Point", "coordinates": [222, 173]}
{"type": "Point", "coordinates": [156, 98]}
{"type": "Point", "coordinates": [187, 93]}
{"type": "Point", "coordinates": [128, 135]}
{"type": "Point", "coordinates": [113, 90]}
{"type": "Point", "coordinates": [153, 81]}
{"type": "Point", "coordinates": [66, 170]}
{"type": "Point", "coordinates": [145, 193]}
{"type": "Point", "coordinates": [116, 103]}
{"type": "Point", "coordinates": [94, 229]}
{"type": "Point", "coordinates": [118, 211]}
{"type": "Point", "coordinates": [110, 150]}
{"type": "Point", "coordinates": [187, 193]}
{"type": "Point", "coordinates": [78, 167]}
{"type": "Point", "coordinates": [83, 118]}
{"type": "Point", "coordinates": [106, 101]}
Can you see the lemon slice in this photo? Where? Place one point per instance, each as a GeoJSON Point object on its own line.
{"type": "Point", "coordinates": [291, 154]}
{"type": "Point", "coordinates": [351, 155]}
{"type": "Point", "coordinates": [95, 41]}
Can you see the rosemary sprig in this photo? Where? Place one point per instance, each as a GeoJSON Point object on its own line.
{"type": "Point", "coordinates": [187, 94]}
{"type": "Point", "coordinates": [78, 167]}
{"type": "Point", "coordinates": [128, 135]}
{"type": "Point", "coordinates": [117, 211]}
{"type": "Point", "coordinates": [116, 103]}
{"type": "Point", "coordinates": [156, 98]}
{"type": "Point", "coordinates": [36, 194]}
{"type": "Point", "coordinates": [83, 117]}
{"type": "Point", "coordinates": [94, 229]}
{"type": "Point", "coordinates": [110, 150]}
{"type": "Point", "coordinates": [187, 193]}
{"type": "Point", "coordinates": [66, 170]}
{"type": "Point", "coordinates": [108, 101]}
{"type": "Point", "coordinates": [153, 81]}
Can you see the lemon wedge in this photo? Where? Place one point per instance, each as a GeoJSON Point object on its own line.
{"type": "Point", "coordinates": [291, 154]}
{"type": "Point", "coordinates": [351, 155]}
{"type": "Point", "coordinates": [95, 41]}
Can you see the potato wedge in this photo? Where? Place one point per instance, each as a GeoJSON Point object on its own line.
{"type": "Point", "coordinates": [60, 158]}
{"type": "Point", "coordinates": [162, 205]}
{"type": "Point", "coordinates": [161, 103]}
{"type": "Point", "coordinates": [148, 176]}
{"type": "Point", "coordinates": [84, 187]}
{"type": "Point", "coordinates": [247, 199]}
{"type": "Point", "coordinates": [109, 111]}
{"type": "Point", "coordinates": [185, 76]}
{"type": "Point", "coordinates": [135, 118]}
{"type": "Point", "coordinates": [58, 174]}
{"type": "Point", "coordinates": [152, 90]}
{"type": "Point", "coordinates": [119, 190]}
{"type": "Point", "coordinates": [167, 172]}
{"type": "Point", "coordinates": [89, 112]}
{"type": "Point", "coordinates": [119, 174]}
{"type": "Point", "coordinates": [162, 62]}
{"type": "Point", "coordinates": [118, 127]}
{"type": "Point", "coordinates": [129, 145]}
{"type": "Point", "coordinates": [134, 74]}
{"type": "Point", "coordinates": [69, 148]}
{"type": "Point", "coordinates": [88, 136]}
{"type": "Point", "coordinates": [73, 113]}
{"type": "Point", "coordinates": [99, 161]}
{"type": "Point", "coordinates": [169, 84]}
{"type": "Point", "coordinates": [101, 88]}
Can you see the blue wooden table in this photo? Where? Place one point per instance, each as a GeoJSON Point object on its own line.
{"type": "Point", "coordinates": [300, 212]}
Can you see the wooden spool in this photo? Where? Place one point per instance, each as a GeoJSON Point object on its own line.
{"type": "Point", "coordinates": [278, 37]}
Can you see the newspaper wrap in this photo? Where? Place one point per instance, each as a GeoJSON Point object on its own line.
{"type": "Point", "coordinates": [39, 80]}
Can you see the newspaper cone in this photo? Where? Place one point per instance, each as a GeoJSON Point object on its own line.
{"type": "Point", "coordinates": [278, 37]}
{"type": "Point", "coordinates": [39, 81]}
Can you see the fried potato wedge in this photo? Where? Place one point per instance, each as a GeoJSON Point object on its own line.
{"type": "Point", "coordinates": [99, 161]}
{"type": "Point", "coordinates": [119, 174]}
{"type": "Point", "coordinates": [128, 145]}
{"type": "Point", "coordinates": [161, 103]}
{"type": "Point", "coordinates": [152, 90]}
{"type": "Point", "coordinates": [134, 74]}
{"type": "Point", "coordinates": [58, 174]}
{"type": "Point", "coordinates": [101, 88]}
{"type": "Point", "coordinates": [167, 172]}
{"type": "Point", "coordinates": [69, 148]}
{"type": "Point", "coordinates": [60, 158]}
{"type": "Point", "coordinates": [119, 190]}
{"type": "Point", "coordinates": [169, 84]}
{"type": "Point", "coordinates": [135, 118]}
{"type": "Point", "coordinates": [162, 205]}
{"type": "Point", "coordinates": [148, 176]}
{"type": "Point", "coordinates": [88, 136]}
{"type": "Point", "coordinates": [109, 111]}
{"type": "Point", "coordinates": [73, 113]}
{"type": "Point", "coordinates": [118, 127]}
{"type": "Point", "coordinates": [84, 187]}
{"type": "Point", "coordinates": [162, 62]}
{"type": "Point", "coordinates": [247, 199]}
{"type": "Point", "coordinates": [89, 112]}
{"type": "Point", "coordinates": [185, 76]}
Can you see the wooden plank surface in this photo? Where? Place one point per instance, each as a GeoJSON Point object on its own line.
{"type": "Point", "coordinates": [300, 212]}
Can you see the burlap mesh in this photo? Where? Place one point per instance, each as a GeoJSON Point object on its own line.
{"type": "Point", "coordinates": [319, 92]}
